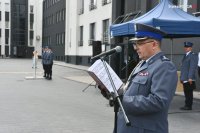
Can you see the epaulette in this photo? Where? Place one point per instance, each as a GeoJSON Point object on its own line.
{"type": "Point", "coordinates": [164, 58]}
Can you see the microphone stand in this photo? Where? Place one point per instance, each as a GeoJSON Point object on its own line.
{"type": "Point", "coordinates": [89, 86]}
{"type": "Point", "coordinates": [117, 102]}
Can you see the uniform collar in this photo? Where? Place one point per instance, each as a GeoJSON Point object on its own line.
{"type": "Point", "coordinates": [149, 61]}
{"type": "Point", "coordinates": [188, 53]}
{"type": "Point", "coordinates": [155, 57]}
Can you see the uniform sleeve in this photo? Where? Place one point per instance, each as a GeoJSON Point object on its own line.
{"type": "Point", "coordinates": [162, 89]}
{"type": "Point", "coordinates": [193, 66]}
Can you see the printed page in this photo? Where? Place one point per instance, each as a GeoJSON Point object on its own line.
{"type": "Point", "coordinates": [98, 69]}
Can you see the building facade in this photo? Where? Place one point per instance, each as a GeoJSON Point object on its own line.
{"type": "Point", "coordinates": [5, 27]}
{"type": "Point", "coordinates": [88, 29]}
{"type": "Point", "coordinates": [54, 22]}
{"type": "Point", "coordinates": [73, 27]}
{"type": "Point", "coordinates": [128, 57]}
{"type": "Point", "coordinates": [21, 27]}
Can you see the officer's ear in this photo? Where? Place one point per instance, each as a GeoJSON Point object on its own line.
{"type": "Point", "coordinates": [156, 43]}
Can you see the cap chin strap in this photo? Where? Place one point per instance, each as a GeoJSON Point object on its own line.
{"type": "Point", "coordinates": [149, 35]}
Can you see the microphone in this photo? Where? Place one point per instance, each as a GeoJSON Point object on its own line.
{"type": "Point", "coordinates": [112, 51]}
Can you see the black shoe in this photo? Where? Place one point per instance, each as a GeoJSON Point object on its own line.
{"type": "Point", "coordinates": [186, 108]}
{"type": "Point", "coordinates": [44, 76]}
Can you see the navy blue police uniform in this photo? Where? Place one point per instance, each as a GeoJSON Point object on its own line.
{"type": "Point", "coordinates": [50, 57]}
{"type": "Point", "coordinates": [44, 56]}
{"type": "Point", "coordinates": [149, 90]}
{"type": "Point", "coordinates": [188, 70]}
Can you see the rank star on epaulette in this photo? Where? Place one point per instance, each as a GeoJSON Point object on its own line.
{"type": "Point", "coordinates": [164, 58]}
{"type": "Point", "coordinates": [143, 73]}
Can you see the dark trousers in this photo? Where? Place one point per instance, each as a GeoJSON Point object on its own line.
{"type": "Point", "coordinates": [49, 70]}
{"type": "Point", "coordinates": [188, 91]}
{"type": "Point", "coordinates": [45, 69]}
{"type": "Point", "coordinates": [199, 71]}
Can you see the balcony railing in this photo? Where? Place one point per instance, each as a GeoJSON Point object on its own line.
{"type": "Point", "coordinates": [92, 7]}
{"type": "Point", "coordinates": [105, 2]}
{"type": "Point", "coordinates": [90, 41]}
{"type": "Point", "coordinates": [80, 43]}
{"type": "Point", "coordinates": [81, 11]}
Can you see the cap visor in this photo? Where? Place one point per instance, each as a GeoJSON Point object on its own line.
{"type": "Point", "coordinates": [137, 39]}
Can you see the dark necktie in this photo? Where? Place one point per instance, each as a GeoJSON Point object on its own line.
{"type": "Point", "coordinates": [142, 63]}
{"type": "Point", "coordinates": [184, 56]}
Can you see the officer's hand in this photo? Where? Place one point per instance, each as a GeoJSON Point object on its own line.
{"type": "Point", "coordinates": [190, 81]}
{"type": "Point", "coordinates": [104, 92]}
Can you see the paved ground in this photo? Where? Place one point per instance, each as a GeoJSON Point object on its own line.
{"type": "Point", "coordinates": [60, 105]}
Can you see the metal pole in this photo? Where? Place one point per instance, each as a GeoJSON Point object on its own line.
{"type": "Point", "coordinates": [171, 49]}
{"type": "Point", "coordinates": [34, 63]}
{"type": "Point", "coordinates": [116, 93]}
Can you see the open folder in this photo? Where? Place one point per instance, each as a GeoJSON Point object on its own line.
{"type": "Point", "coordinates": [98, 72]}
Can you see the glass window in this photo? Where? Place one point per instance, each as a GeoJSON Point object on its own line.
{"type": "Point", "coordinates": [57, 17]}
{"type": "Point", "coordinates": [31, 8]}
{"type": "Point", "coordinates": [31, 42]}
{"type": "Point", "coordinates": [63, 38]}
{"type": "Point", "coordinates": [81, 8]}
{"type": "Point", "coordinates": [60, 16]}
{"type": "Point", "coordinates": [92, 31]}
{"type": "Point", "coordinates": [7, 33]}
{"type": "Point", "coordinates": [6, 16]}
{"type": "Point", "coordinates": [105, 30]}
{"type": "Point", "coordinates": [63, 14]}
{"type": "Point", "coordinates": [93, 4]}
{"type": "Point", "coordinates": [31, 26]}
{"type": "Point", "coordinates": [81, 36]}
{"type": "Point", "coordinates": [7, 24]}
{"type": "Point", "coordinates": [6, 40]}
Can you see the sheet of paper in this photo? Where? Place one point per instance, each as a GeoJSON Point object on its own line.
{"type": "Point", "coordinates": [98, 69]}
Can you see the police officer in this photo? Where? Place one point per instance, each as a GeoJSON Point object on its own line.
{"type": "Point", "coordinates": [187, 77]}
{"type": "Point", "coordinates": [49, 63]}
{"type": "Point", "coordinates": [44, 54]}
{"type": "Point", "coordinates": [150, 88]}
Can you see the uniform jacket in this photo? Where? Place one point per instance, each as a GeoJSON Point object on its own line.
{"type": "Point", "coordinates": [147, 99]}
{"type": "Point", "coordinates": [189, 67]}
{"type": "Point", "coordinates": [47, 58]}
{"type": "Point", "coordinates": [44, 54]}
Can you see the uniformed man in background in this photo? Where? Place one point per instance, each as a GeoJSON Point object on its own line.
{"type": "Point", "coordinates": [49, 63]}
{"type": "Point", "coordinates": [44, 54]}
{"type": "Point", "coordinates": [147, 95]}
{"type": "Point", "coordinates": [187, 77]}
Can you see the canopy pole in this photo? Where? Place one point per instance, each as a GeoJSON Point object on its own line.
{"type": "Point", "coordinates": [171, 48]}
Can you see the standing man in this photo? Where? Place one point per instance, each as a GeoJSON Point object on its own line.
{"type": "Point", "coordinates": [49, 63]}
{"type": "Point", "coordinates": [147, 95]}
{"type": "Point", "coordinates": [187, 77]}
{"type": "Point", "coordinates": [44, 55]}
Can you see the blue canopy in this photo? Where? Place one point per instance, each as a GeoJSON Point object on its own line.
{"type": "Point", "coordinates": [165, 16]}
